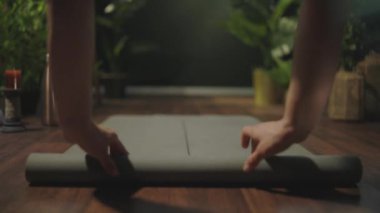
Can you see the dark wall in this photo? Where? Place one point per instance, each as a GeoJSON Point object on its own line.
{"type": "Point", "coordinates": [184, 42]}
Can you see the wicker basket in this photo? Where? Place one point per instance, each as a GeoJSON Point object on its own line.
{"type": "Point", "coordinates": [347, 97]}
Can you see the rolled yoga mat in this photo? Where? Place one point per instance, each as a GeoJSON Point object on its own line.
{"type": "Point", "coordinates": [166, 150]}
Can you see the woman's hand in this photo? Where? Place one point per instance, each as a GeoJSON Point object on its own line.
{"type": "Point", "coordinates": [315, 62]}
{"type": "Point", "coordinates": [100, 143]}
{"type": "Point", "coordinates": [267, 139]}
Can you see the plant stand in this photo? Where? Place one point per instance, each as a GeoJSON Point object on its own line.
{"type": "Point", "coordinates": [114, 83]}
{"type": "Point", "coordinates": [347, 97]}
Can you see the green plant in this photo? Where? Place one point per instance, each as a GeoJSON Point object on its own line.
{"type": "Point", "coordinates": [269, 28]}
{"type": "Point", "coordinates": [283, 41]}
{"type": "Point", "coordinates": [354, 47]}
{"type": "Point", "coordinates": [112, 37]}
{"type": "Point", "coordinates": [23, 34]}
{"type": "Point", "coordinates": [263, 25]}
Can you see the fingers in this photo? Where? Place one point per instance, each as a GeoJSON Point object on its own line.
{"type": "Point", "coordinates": [246, 136]}
{"type": "Point", "coordinates": [101, 145]}
{"type": "Point", "coordinates": [116, 147]}
{"type": "Point", "coordinates": [267, 139]}
{"type": "Point", "coordinates": [108, 165]}
{"type": "Point", "coordinates": [261, 150]}
{"type": "Point", "coordinates": [253, 160]}
{"type": "Point", "coordinates": [254, 145]}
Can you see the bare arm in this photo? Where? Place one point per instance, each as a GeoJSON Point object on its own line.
{"type": "Point", "coordinates": [317, 51]}
{"type": "Point", "coordinates": [72, 56]}
{"type": "Point", "coordinates": [71, 47]}
{"type": "Point", "coordinates": [315, 63]}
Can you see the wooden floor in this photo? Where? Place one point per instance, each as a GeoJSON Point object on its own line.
{"type": "Point", "coordinates": [330, 137]}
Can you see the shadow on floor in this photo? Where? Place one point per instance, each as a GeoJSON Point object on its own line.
{"type": "Point", "coordinates": [337, 195]}
{"type": "Point", "coordinates": [121, 199]}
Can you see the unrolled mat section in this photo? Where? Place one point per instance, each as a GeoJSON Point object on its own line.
{"type": "Point", "coordinates": [166, 150]}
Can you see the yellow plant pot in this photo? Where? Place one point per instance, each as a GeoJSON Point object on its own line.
{"type": "Point", "coordinates": [264, 87]}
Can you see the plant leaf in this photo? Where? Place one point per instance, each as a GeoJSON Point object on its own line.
{"type": "Point", "coordinates": [247, 31]}
{"type": "Point", "coordinates": [105, 22]}
{"type": "Point", "coordinates": [279, 11]}
{"type": "Point", "coordinates": [120, 45]}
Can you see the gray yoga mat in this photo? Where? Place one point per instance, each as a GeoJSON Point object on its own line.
{"type": "Point", "coordinates": [168, 150]}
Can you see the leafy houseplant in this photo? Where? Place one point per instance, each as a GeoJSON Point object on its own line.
{"type": "Point", "coordinates": [23, 34]}
{"type": "Point", "coordinates": [270, 28]}
{"type": "Point", "coordinates": [112, 40]}
{"type": "Point", "coordinates": [353, 44]}
{"type": "Point", "coordinates": [347, 96]}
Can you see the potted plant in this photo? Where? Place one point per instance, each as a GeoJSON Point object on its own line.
{"type": "Point", "coordinates": [112, 41]}
{"type": "Point", "coordinates": [23, 46]}
{"type": "Point", "coordinates": [347, 95]}
{"type": "Point", "coordinates": [270, 28]}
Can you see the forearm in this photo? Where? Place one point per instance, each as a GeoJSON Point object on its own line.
{"type": "Point", "coordinates": [316, 57]}
{"type": "Point", "coordinates": [71, 47]}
